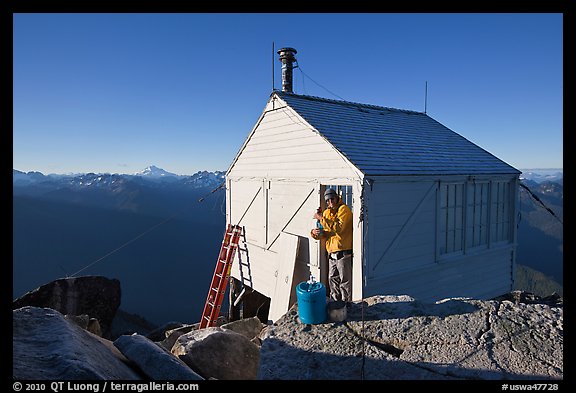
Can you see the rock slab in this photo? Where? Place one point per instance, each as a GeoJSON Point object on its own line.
{"type": "Point", "coordinates": [96, 296]}
{"type": "Point", "coordinates": [152, 360]}
{"type": "Point", "coordinates": [397, 337]}
{"type": "Point", "coordinates": [47, 346]}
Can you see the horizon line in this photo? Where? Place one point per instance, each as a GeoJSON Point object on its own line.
{"type": "Point", "coordinates": [110, 173]}
{"type": "Point", "coordinates": [176, 174]}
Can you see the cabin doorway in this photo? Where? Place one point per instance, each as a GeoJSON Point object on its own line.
{"type": "Point", "coordinates": [345, 192]}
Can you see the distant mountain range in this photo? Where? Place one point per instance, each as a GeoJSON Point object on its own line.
{"type": "Point", "coordinates": [152, 191]}
{"type": "Point", "coordinates": [541, 175]}
{"type": "Point", "coordinates": [160, 233]}
{"type": "Point", "coordinates": [541, 228]}
{"type": "Point", "coordinates": [151, 174]}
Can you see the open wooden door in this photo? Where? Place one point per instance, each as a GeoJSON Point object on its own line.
{"type": "Point", "coordinates": [280, 302]}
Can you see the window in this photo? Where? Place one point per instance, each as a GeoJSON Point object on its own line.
{"type": "Point", "coordinates": [500, 212]}
{"type": "Point", "coordinates": [477, 214]}
{"type": "Point", "coordinates": [485, 220]}
{"type": "Point", "coordinates": [344, 191]}
{"type": "Point", "coordinates": [451, 217]}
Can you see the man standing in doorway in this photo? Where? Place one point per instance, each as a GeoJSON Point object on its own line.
{"type": "Point", "coordinates": [336, 221]}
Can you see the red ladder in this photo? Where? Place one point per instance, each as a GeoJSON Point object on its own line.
{"type": "Point", "coordinates": [220, 277]}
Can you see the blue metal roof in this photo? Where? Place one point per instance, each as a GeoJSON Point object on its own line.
{"type": "Point", "coordinates": [387, 141]}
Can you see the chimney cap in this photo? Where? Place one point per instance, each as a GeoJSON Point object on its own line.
{"type": "Point", "coordinates": [287, 49]}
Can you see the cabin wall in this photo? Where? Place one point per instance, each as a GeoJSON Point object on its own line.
{"type": "Point", "coordinates": [269, 209]}
{"type": "Point", "coordinates": [401, 227]}
{"type": "Point", "coordinates": [403, 236]}
{"type": "Point", "coordinates": [274, 187]}
{"type": "Point", "coordinates": [265, 209]}
{"type": "Point", "coordinates": [284, 146]}
{"type": "Point", "coordinates": [479, 277]}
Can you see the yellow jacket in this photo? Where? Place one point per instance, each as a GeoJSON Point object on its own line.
{"type": "Point", "coordinates": [337, 223]}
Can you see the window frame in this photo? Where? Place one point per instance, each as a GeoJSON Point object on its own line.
{"type": "Point", "coordinates": [497, 220]}
{"type": "Point", "coordinates": [478, 215]}
{"type": "Point", "coordinates": [451, 218]}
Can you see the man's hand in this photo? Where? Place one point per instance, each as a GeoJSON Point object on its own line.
{"type": "Point", "coordinates": [316, 232]}
{"type": "Point", "coordinates": [317, 216]}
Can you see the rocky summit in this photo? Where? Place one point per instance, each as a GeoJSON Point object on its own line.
{"type": "Point", "coordinates": [516, 337]}
{"type": "Point", "coordinates": [399, 338]}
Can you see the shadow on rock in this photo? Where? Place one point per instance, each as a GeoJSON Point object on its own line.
{"type": "Point", "coordinates": [381, 308]}
{"type": "Point", "coordinates": [281, 361]}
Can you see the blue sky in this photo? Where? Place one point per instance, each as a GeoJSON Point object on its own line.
{"type": "Point", "coordinates": [104, 92]}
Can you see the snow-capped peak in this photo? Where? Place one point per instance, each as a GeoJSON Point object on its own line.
{"type": "Point", "coordinates": [541, 175]}
{"type": "Point", "coordinates": [154, 171]}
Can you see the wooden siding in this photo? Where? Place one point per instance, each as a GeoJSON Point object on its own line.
{"type": "Point", "coordinates": [358, 241]}
{"type": "Point", "coordinates": [247, 209]}
{"type": "Point", "coordinates": [290, 208]}
{"type": "Point", "coordinates": [257, 267]}
{"type": "Point", "coordinates": [481, 276]}
{"type": "Point", "coordinates": [279, 207]}
{"type": "Point", "coordinates": [278, 173]}
{"type": "Point", "coordinates": [284, 146]}
{"type": "Point", "coordinates": [284, 207]}
{"type": "Point", "coordinates": [280, 301]}
{"type": "Point", "coordinates": [401, 227]}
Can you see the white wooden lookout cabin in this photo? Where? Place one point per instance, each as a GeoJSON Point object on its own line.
{"type": "Point", "coordinates": [434, 214]}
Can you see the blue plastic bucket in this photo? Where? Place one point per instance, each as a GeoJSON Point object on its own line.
{"type": "Point", "coordinates": [311, 302]}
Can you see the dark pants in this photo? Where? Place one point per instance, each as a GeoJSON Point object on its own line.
{"type": "Point", "coordinates": [340, 277]}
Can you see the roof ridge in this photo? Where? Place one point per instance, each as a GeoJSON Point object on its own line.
{"type": "Point", "coordinates": [347, 103]}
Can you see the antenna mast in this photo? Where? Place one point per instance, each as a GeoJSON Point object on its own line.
{"type": "Point", "coordinates": [426, 97]}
